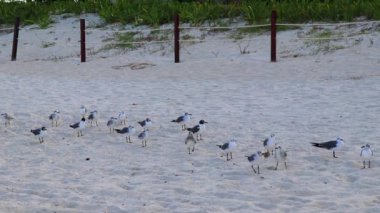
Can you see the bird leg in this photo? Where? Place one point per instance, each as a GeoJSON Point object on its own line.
{"type": "Point", "coordinates": [193, 149]}
{"type": "Point", "coordinates": [285, 165]}
{"type": "Point", "coordinates": [253, 169]}
{"type": "Point", "coordinates": [189, 150]}
{"type": "Point", "coordinates": [363, 164]}
{"type": "Point", "coordinates": [276, 166]}
{"type": "Point", "coordinates": [334, 155]}
{"type": "Point", "coordinates": [369, 164]}
{"type": "Point", "coordinates": [230, 155]}
{"type": "Point", "coordinates": [258, 169]}
{"type": "Point", "coordinates": [227, 157]}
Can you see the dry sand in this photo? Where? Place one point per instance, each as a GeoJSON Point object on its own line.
{"type": "Point", "coordinates": [311, 94]}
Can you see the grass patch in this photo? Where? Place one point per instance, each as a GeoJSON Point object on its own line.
{"type": "Point", "coordinates": [47, 44]}
{"type": "Point", "coordinates": [157, 12]}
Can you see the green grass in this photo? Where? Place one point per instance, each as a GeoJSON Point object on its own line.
{"type": "Point", "coordinates": [157, 12]}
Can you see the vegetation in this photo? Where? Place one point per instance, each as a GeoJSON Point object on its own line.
{"type": "Point", "coordinates": [156, 12]}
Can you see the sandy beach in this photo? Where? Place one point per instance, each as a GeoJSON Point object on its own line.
{"type": "Point", "coordinates": [315, 92]}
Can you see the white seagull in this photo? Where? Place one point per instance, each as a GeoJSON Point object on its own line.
{"type": "Point", "coordinates": [228, 148]}
{"type": "Point", "coordinates": [366, 153]}
{"type": "Point", "coordinates": [143, 136]}
{"type": "Point", "coordinates": [255, 159]}
{"type": "Point", "coordinates": [79, 126]}
{"type": "Point", "coordinates": [7, 118]}
{"type": "Point", "coordinates": [145, 123]}
{"type": "Point", "coordinates": [198, 129]}
{"type": "Point", "coordinates": [280, 155]}
{"type": "Point", "coordinates": [190, 142]}
{"type": "Point", "coordinates": [111, 123]}
{"type": "Point", "coordinates": [122, 117]}
{"type": "Point", "coordinates": [54, 117]}
{"type": "Point", "coordinates": [93, 117]}
{"type": "Point", "coordinates": [130, 130]}
{"type": "Point", "coordinates": [331, 145]}
{"type": "Point", "coordinates": [270, 143]}
{"type": "Point", "coordinates": [40, 133]}
{"type": "Point", "coordinates": [183, 119]}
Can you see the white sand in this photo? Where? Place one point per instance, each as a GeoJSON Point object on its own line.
{"type": "Point", "coordinates": [313, 97]}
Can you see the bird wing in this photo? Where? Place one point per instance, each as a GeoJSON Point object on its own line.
{"type": "Point", "coordinates": [74, 126]}
{"type": "Point", "coordinates": [141, 135]}
{"type": "Point", "coordinates": [194, 129]}
{"type": "Point", "coordinates": [122, 131]}
{"type": "Point", "coordinates": [325, 145]}
{"type": "Point", "coordinates": [180, 119]}
{"type": "Point", "coordinates": [36, 131]}
{"type": "Point", "coordinates": [91, 116]}
{"type": "Point", "coordinates": [265, 142]}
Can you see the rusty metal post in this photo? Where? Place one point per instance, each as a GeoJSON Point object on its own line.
{"type": "Point", "coordinates": [176, 38]}
{"type": "Point", "coordinates": [82, 41]}
{"type": "Point", "coordinates": [15, 39]}
{"type": "Point", "coordinates": [273, 37]}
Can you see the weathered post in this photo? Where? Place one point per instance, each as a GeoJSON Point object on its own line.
{"type": "Point", "coordinates": [176, 38]}
{"type": "Point", "coordinates": [273, 37]}
{"type": "Point", "coordinates": [82, 41]}
{"type": "Point", "coordinates": [15, 39]}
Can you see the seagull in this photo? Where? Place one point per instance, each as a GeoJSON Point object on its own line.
{"type": "Point", "coordinates": [122, 117]}
{"type": "Point", "coordinates": [80, 126]}
{"type": "Point", "coordinates": [198, 129]}
{"type": "Point", "coordinates": [111, 124]}
{"type": "Point", "coordinates": [8, 118]}
{"type": "Point", "coordinates": [93, 117]}
{"type": "Point", "coordinates": [183, 119]}
{"type": "Point", "coordinates": [255, 159]}
{"type": "Point", "coordinates": [228, 147]}
{"type": "Point", "coordinates": [145, 123]}
{"type": "Point", "coordinates": [83, 111]}
{"type": "Point", "coordinates": [40, 133]}
{"type": "Point", "coordinates": [331, 145]}
{"type": "Point", "coordinates": [190, 142]}
{"type": "Point", "coordinates": [280, 155]}
{"type": "Point", "coordinates": [130, 130]}
{"type": "Point", "coordinates": [54, 117]}
{"type": "Point", "coordinates": [270, 143]}
{"type": "Point", "coordinates": [366, 153]}
{"type": "Point", "coordinates": [143, 136]}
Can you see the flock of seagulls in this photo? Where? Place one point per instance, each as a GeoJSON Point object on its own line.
{"type": "Point", "coordinates": [271, 148]}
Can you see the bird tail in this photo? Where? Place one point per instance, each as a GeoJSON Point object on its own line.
{"type": "Point", "coordinates": [174, 121]}
{"type": "Point", "coordinates": [220, 146]}
{"type": "Point", "coordinates": [118, 130]}
{"type": "Point", "coordinates": [72, 126]}
{"type": "Point", "coordinates": [316, 144]}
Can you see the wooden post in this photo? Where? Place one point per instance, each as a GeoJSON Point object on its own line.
{"type": "Point", "coordinates": [273, 37]}
{"type": "Point", "coordinates": [82, 41]}
{"type": "Point", "coordinates": [15, 39]}
{"type": "Point", "coordinates": [176, 38]}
